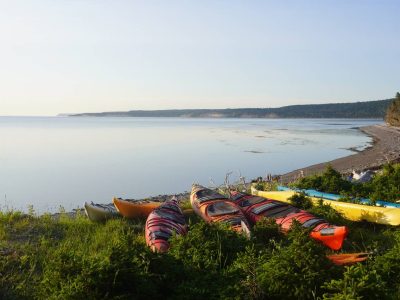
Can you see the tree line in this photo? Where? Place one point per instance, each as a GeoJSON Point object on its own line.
{"type": "Point", "coordinates": [368, 109]}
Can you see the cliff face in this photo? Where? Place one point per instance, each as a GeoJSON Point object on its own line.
{"type": "Point", "coordinates": [393, 112]}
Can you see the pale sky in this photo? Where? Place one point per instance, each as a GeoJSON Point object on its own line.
{"type": "Point", "coordinates": [91, 55]}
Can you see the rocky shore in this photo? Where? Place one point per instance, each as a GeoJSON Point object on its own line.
{"type": "Point", "coordinates": [385, 148]}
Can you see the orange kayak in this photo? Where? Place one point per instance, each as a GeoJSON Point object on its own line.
{"type": "Point", "coordinates": [135, 208]}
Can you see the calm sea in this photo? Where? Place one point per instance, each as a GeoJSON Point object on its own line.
{"type": "Point", "coordinates": [50, 162]}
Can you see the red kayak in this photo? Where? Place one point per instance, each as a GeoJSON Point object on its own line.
{"type": "Point", "coordinates": [162, 223]}
{"type": "Point", "coordinates": [256, 208]}
{"type": "Point", "coordinates": [214, 207]}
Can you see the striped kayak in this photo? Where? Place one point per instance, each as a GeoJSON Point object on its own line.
{"type": "Point", "coordinates": [100, 212]}
{"type": "Point", "coordinates": [329, 196]}
{"type": "Point", "coordinates": [214, 207]}
{"type": "Point", "coordinates": [162, 223]}
{"type": "Point", "coordinates": [255, 208]}
{"type": "Point", "coordinates": [135, 208]}
{"type": "Point", "coordinates": [351, 211]}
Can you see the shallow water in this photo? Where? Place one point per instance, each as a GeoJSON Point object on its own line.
{"type": "Point", "coordinates": [51, 161]}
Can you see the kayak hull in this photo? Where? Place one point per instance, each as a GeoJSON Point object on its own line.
{"type": "Point", "coordinates": [100, 212]}
{"type": "Point", "coordinates": [135, 209]}
{"type": "Point", "coordinates": [256, 208]}
{"type": "Point", "coordinates": [329, 196]}
{"type": "Point", "coordinates": [213, 207]}
{"type": "Point", "coordinates": [162, 223]}
{"type": "Point", "coordinates": [351, 211]}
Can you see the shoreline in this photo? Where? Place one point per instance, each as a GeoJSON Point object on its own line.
{"type": "Point", "coordinates": [384, 148]}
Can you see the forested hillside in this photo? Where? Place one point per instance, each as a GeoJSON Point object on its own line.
{"type": "Point", "coordinates": [393, 112]}
{"type": "Point", "coordinates": [368, 109]}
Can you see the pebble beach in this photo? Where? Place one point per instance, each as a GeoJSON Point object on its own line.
{"type": "Point", "coordinates": [385, 148]}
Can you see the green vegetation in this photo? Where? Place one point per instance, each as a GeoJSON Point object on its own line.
{"type": "Point", "coordinates": [393, 112]}
{"type": "Point", "coordinates": [301, 201]}
{"type": "Point", "coordinates": [72, 258]}
{"type": "Point", "coordinates": [384, 186]}
{"type": "Point", "coordinates": [331, 181]}
{"type": "Point", "coordinates": [367, 109]}
{"type": "Point", "coordinates": [44, 257]}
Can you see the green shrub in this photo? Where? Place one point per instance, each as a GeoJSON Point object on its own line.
{"type": "Point", "coordinates": [358, 282]}
{"type": "Point", "coordinates": [206, 252]}
{"type": "Point", "coordinates": [326, 212]}
{"type": "Point", "coordinates": [330, 181]}
{"type": "Point", "coordinates": [248, 269]}
{"type": "Point", "coordinates": [265, 186]}
{"type": "Point", "coordinates": [388, 266]}
{"type": "Point", "coordinates": [386, 186]}
{"type": "Point", "coordinates": [301, 201]}
{"type": "Point", "coordinates": [296, 271]}
{"type": "Point", "coordinates": [96, 263]}
{"type": "Point", "coordinates": [266, 233]}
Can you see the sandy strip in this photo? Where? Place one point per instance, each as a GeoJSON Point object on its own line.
{"type": "Point", "coordinates": [385, 148]}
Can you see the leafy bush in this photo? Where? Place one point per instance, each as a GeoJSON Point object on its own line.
{"type": "Point", "coordinates": [386, 186]}
{"type": "Point", "coordinates": [301, 201]}
{"type": "Point", "coordinates": [99, 262]}
{"type": "Point", "coordinates": [206, 252]}
{"type": "Point", "coordinates": [358, 282]}
{"type": "Point", "coordinates": [266, 186]}
{"type": "Point", "coordinates": [266, 233]}
{"type": "Point", "coordinates": [388, 266]}
{"type": "Point", "coordinates": [296, 271]}
{"type": "Point", "coordinates": [330, 181]}
{"type": "Point", "coordinates": [325, 211]}
{"type": "Point", "coordinates": [248, 267]}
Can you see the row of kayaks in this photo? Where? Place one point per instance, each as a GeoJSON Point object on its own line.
{"type": "Point", "coordinates": [386, 215]}
{"type": "Point", "coordinates": [329, 196]}
{"type": "Point", "coordinates": [120, 207]}
{"type": "Point", "coordinates": [240, 212]}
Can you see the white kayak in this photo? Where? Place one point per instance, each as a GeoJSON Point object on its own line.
{"type": "Point", "coordinates": [100, 212]}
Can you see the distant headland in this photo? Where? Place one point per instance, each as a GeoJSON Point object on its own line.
{"type": "Point", "coordinates": [367, 109]}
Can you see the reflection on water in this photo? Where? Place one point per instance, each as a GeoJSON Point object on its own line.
{"type": "Point", "coordinates": [48, 162]}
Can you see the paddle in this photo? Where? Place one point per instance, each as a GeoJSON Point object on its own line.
{"type": "Point", "coordinates": [348, 258]}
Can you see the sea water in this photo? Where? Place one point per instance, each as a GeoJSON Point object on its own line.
{"type": "Point", "coordinates": [50, 162]}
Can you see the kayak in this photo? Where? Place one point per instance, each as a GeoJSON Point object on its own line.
{"type": "Point", "coordinates": [135, 208]}
{"type": "Point", "coordinates": [100, 212]}
{"type": "Point", "coordinates": [351, 211]}
{"type": "Point", "coordinates": [255, 208]}
{"type": "Point", "coordinates": [213, 207]}
{"type": "Point", "coordinates": [162, 223]}
{"type": "Point", "coordinates": [329, 196]}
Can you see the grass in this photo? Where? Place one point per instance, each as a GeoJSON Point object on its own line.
{"type": "Point", "coordinates": [74, 258]}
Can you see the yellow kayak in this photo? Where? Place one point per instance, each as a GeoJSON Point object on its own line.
{"type": "Point", "coordinates": [351, 211]}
